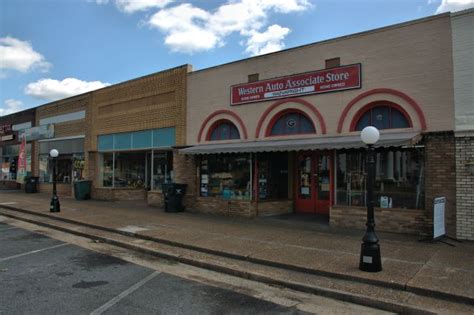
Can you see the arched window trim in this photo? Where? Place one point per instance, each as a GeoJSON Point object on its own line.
{"type": "Point", "coordinates": [216, 124]}
{"type": "Point", "coordinates": [372, 105]}
{"type": "Point", "coordinates": [276, 117]}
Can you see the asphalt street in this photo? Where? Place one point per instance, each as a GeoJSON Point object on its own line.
{"type": "Point", "coordinates": [41, 275]}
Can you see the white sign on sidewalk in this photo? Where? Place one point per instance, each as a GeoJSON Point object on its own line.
{"type": "Point", "coordinates": [439, 217]}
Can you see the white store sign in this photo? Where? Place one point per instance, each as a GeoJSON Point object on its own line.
{"type": "Point", "coordinates": [439, 217]}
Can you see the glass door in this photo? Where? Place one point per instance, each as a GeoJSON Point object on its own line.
{"type": "Point", "coordinates": [314, 183]}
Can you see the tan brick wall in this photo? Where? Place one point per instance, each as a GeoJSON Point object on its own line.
{"type": "Point", "coordinates": [155, 199]}
{"type": "Point", "coordinates": [61, 189]}
{"type": "Point", "coordinates": [440, 178]}
{"type": "Point", "coordinates": [414, 58]}
{"type": "Point", "coordinates": [117, 194]}
{"type": "Point", "coordinates": [65, 129]}
{"type": "Point", "coordinates": [213, 205]}
{"type": "Point", "coordinates": [394, 220]}
{"type": "Point", "coordinates": [154, 101]}
{"type": "Point", "coordinates": [464, 188]}
{"type": "Point", "coordinates": [268, 208]}
{"type": "Point", "coordinates": [185, 172]}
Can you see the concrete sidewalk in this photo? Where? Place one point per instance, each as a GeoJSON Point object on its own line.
{"type": "Point", "coordinates": [428, 268]}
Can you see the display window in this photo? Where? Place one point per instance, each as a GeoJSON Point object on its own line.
{"type": "Point", "coordinates": [64, 168]}
{"type": "Point", "coordinates": [136, 169]}
{"type": "Point", "coordinates": [9, 161]}
{"type": "Point", "coordinates": [272, 176]}
{"type": "Point", "coordinates": [399, 178]}
{"type": "Point", "coordinates": [226, 176]}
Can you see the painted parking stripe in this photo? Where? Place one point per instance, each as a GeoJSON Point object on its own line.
{"type": "Point", "coordinates": [33, 252]}
{"type": "Point", "coordinates": [125, 293]}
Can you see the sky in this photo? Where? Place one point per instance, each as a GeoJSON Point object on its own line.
{"type": "Point", "coordinates": [53, 49]}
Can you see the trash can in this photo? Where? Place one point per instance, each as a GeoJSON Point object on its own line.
{"type": "Point", "coordinates": [82, 189]}
{"type": "Point", "coordinates": [31, 184]}
{"type": "Point", "coordinates": [173, 195]}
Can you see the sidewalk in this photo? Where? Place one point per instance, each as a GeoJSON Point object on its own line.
{"type": "Point", "coordinates": [419, 267]}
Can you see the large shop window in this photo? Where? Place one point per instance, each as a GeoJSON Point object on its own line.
{"type": "Point", "coordinates": [226, 176]}
{"type": "Point", "coordinates": [136, 169]}
{"type": "Point", "coordinates": [273, 176]}
{"type": "Point", "coordinates": [70, 162]}
{"type": "Point", "coordinates": [382, 117]}
{"type": "Point", "coordinates": [223, 130]}
{"type": "Point", "coordinates": [9, 161]}
{"type": "Point", "coordinates": [289, 123]}
{"type": "Point", "coordinates": [399, 179]}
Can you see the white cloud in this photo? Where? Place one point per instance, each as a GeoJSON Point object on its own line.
{"type": "Point", "coordinates": [269, 41]}
{"type": "Point", "coordinates": [19, 55]}
{"type": "Point", "coordinates": [132, 6]}
{"type": "Point", "coordinates": [191, 29]}
{"type": "Point", "coordinates": [12, 106]}
{"type": "Point", "coordinates": [49, 89]}
{"type": "Point", "coordinates": [454, 5]}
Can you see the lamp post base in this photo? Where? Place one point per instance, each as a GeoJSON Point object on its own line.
{"type": "Point", "coordinates": [370, 259]}
{"type": "Point", "coordinates": [55, 206]}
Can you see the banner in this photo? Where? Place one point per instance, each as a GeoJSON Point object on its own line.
{"type": "Point", "coordinates": [21, 170]}
{"type": "Point", "coordinates": [322, 81]}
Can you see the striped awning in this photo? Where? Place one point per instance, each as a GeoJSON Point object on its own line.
{"type": "Point", "coordinates": [319, 143]}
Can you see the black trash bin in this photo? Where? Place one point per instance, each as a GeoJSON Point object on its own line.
{"type": "Point", "coordinates": [31, 184]}
{"type": "Point", "coordinates": [82, 189]}
{"type": "Point", "coordinates": [173, 195]}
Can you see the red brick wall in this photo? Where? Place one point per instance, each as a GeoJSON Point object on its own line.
{"type": "Point", "coordinates": [440, 178]}
{"type": "Point", "coordinates": [406, 221]}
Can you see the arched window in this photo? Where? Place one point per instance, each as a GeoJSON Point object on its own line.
{"type": "Point", "coordinates": [383, 117]}
{"type": "Point", "coordinates": [289, 123]}
{"type": "Point", "coordinates": [223, 130]}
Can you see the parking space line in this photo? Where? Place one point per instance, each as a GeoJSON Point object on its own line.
{"type": "Point", "coordinates": [124, 294]}
{"type": "Point", "coordinates": [33, 252]}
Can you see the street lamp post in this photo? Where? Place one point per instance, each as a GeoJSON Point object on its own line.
{"type": "Point", "coordinates": [370, 259]}
{"type": "Point", "coordinates": [55, 206]}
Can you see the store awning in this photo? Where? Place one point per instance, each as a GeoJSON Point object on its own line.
{"type": "Point", "coordinates": [320, 143]}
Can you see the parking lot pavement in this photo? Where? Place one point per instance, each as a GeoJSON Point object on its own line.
{"type": "Point", "coordinates": [40, 275]}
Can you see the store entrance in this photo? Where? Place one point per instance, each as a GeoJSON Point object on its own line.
{"type": "Point", "coordinates": [314, 181]}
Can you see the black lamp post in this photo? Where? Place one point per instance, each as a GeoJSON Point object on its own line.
{"type": "Point", "coordinates": [370, 259]}
{"type": "Point", "coordinates": [54, 207]}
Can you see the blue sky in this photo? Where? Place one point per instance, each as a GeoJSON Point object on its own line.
{"type": "Point", "coordinates": [52, 49]}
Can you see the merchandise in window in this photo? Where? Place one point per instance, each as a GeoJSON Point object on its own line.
{"type": "Point", "coordinates": [226, 176]}
{"type": "Point", "coordinates": [64, 165]}
{"type": "Point", "coordinates": [129, 169]}
{"type": "Point", "coordinates": [399, 178]}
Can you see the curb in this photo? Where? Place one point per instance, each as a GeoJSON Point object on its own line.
{"type": "Point", "coordinates": [321, 291]}
{"type": "Point", "coordinates": [389, 285]}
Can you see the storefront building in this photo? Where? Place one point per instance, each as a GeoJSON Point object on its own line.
{"type": "Point", "coordinates": [12, 127]}
{"type": "Point", "coordinates": [280, 133]}
{"type": "Point", "coordinates": [61, 125]}
{"type": "Point", "coordinates": [133, 129]}
{"type": "Point", "coordinates": [462, 25]}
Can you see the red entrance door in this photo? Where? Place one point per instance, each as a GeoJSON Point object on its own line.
{"type": "Point", "coordinates": [314, 182]}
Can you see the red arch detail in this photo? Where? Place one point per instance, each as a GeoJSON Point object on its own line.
{"type": "Point", "coordinates": [371, 105]}
{"type": "Point", "coordinates": [222, 112]}
{"type": "Point", "coordinates": [402, 95]}
{"type": "Point", "coordinates": [294, 100]}
{"type": "Point", "coordinates": [278, 115]}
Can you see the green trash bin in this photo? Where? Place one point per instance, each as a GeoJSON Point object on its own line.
{"type": "Point", "coordinates": [82, 189]}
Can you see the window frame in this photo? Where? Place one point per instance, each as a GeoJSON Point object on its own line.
{"type": "Point", "coordinates": [217, 124]}
{"type": "Point", "coordinates": [371, 106]}
{"type": "Point", "coordinates": [281, 114]}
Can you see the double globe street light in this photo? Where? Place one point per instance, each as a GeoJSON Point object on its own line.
{"type": "Point", "coordinates": [55, 206]}
{"type": "Point", "coordinates": [370, 259]}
